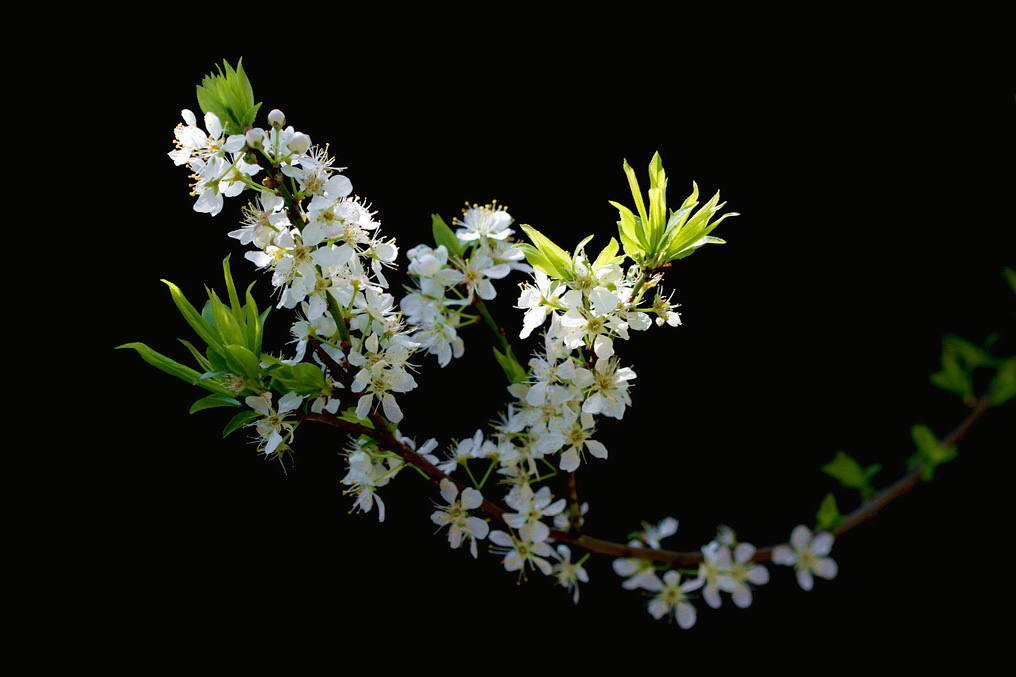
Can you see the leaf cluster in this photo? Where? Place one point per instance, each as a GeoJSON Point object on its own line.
{"type": "Point", "coordinates": [231, 360]}
{"type": "Point", "coordinates": [229, 95]}
{"type": "Point", "coordinates": [652, 235]}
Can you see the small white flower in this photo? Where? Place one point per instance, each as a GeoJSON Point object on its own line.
{"type": "Point", "coordinates": [672, 598]}
{"type": "Point", "coordinates": [807, 553]}
{"type": "Point", "coordinates": [456, 515]}
{"type": "Point", "coordinates": [517, 553]}
{"type": "Point", "coordinates": [488, 221]}
{"type": "Point", "coordinates": [569, 573]}
{"type": "Point", "coordinates": [737, 572]}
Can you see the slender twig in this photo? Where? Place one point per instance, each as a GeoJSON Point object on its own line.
{"type": "Point", "coordinates": [913, 477]}
{"type": "Point", "coordinates": [613, 549]}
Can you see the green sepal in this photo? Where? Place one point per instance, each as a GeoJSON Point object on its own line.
{"type": "Point", "coordinates": [443, 235]}
{"type": "Point", "coordinates": [214, 400]}
{"type": "Point", "coordinates": [851, 475]}
{"type": "Point", "coordinates": [930, 452]}
{"type": "Point", "coordinates": [230, 97]}
{"type": "Point", "coordinates": [239, 421]}
{"type": "Point", "coordinates": [174, 368]}
{"type": "Point", "coordinates": [828, 516]}
{"type": "Point", "coordinates": [514, 371]}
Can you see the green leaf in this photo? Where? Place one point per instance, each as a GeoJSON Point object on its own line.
{"type": "Point", "coordinates": [239, 421]}
{"type": "Point", "coordinates": [850, 474]}
{"type": "Point", "coordinates": [580, 247]}
{"type": "Point", "coordinates": [828, 516]}
{"type": "Point", "coordinates": [608, 255]}
{"type": "Point", "coordinates": [514, 371]}
{"type": "Point", "coordinates": [253, 323]}
{"type": "Point", "coordinates": [1010, 277]}
{"type": "Point", "coordinates": [174, 368]}
{"type": "Point", "coordinates": [930, 452]}
{"type": "Point", "coordinates": [443, 235]}
{"type": "Point", "coordinates": [247, 363]}
{"type": "Point", "coordinates": [636, 191]}
{"type": "Point", "coordinates": [303, 378]}
{"type": "Point", "coordinates": [201, 359]}
{"type": "Point", "coordinates": [537, 260]}
{"type": "Point", "coordinates": [959, 359]}
{"type": "Point", "coordinates": [626, 231]}
{"type": "Point", "coordinates": [553, 254]}
{"type": "Point", "coordinates": [1003, 385]}
{"type": "Point", "coordinates": [214, 401]}
{"type": "Point", "coordinates": [230, 97]}
{"type": "Point", "coordinates": [234, 299]}
{"type": "Point", "coordinates": [201, 326]}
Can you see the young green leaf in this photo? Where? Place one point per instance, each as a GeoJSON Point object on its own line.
{"type": "Point", "coordinates": [174, 368]}
{"type": "Point", "coordinates": [214, 401]}
{"type": "Point", "coordinates": [239, 421]}
{"type": "Point", "coordinates": [443, 235]}
{"type": "Point", "coordinates": [850, 474]}
{"type": "Point", "coordinates": [930, 451]}
{"type": "Point", "coordinates": [828, 516]}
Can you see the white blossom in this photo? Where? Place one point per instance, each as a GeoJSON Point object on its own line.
{"type": "Point", "coordinates": [808, 554]}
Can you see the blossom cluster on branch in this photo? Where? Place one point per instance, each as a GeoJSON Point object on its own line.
{"type": "Point", "coordinates": [356, 349]}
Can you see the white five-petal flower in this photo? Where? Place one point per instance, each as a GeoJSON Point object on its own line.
{"type": "Point", "coordinates": [808, 554]}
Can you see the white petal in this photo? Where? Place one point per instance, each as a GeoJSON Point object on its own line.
{"type": "Point", "coordinates": [805, 580]}
{"type": "Point", "coordinates": [800, 537]}
{"type": "Point", "coordinates": [784, 555]}
{"type": "Point", "coordinates": [826, 568]}
{"type": "Point", "coordinates": [822, 544]}
{"type": "Point", "coordinates": [758, 575]}
{"type": "Point", "coordinates": [500, 538]}
{"type": "Point", "coordinates": [685, 615]}
{"type": "Point", "coordinates": [471, 499]}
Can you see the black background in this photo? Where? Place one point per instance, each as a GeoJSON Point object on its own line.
{"type": "Point", "coordinates": [870, 159]}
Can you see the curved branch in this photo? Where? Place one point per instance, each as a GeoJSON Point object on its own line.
{"type": "Point", "coordinates": [603, 547]}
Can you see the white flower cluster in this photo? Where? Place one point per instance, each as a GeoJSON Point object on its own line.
{"type": "Point", "coordinates": [727, 566]}
{"type": "Point", "coordinates": [326, 258]}
{"type": "Point", "coordinates": [574, 378]}
{"type": "Point", "coordinates": [487, 255]}
{"type": "Point", "coordinates": [327, 261]}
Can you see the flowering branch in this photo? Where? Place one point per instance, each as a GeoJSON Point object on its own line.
{"type": "Point", "coordinates": [326, 258]}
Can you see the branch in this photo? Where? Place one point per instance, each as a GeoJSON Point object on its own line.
{"type": "Point", "coordinates": [913, 477]}
{"type": "Point", "coordinates": [603, 547]}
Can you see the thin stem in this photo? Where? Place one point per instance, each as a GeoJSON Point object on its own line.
{"type": "Point", "coordinates": [913, 477]}
{"type": "Point", "coordinates": [491, 324]}
{"type": "Point", "coordinates": [384, 437]}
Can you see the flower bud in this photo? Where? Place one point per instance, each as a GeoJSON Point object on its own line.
{"type": "Point", "coordinates": [255, 136]}
{"type": "Point", "coordinates": [428, 265]}
{"type": "Point", "coordinates": [299, 143]}
{"type": "Point", "coordinates": [276, 118]}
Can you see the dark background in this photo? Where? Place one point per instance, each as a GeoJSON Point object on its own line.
{"type": "Point", "coordinates": [870, 159]}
